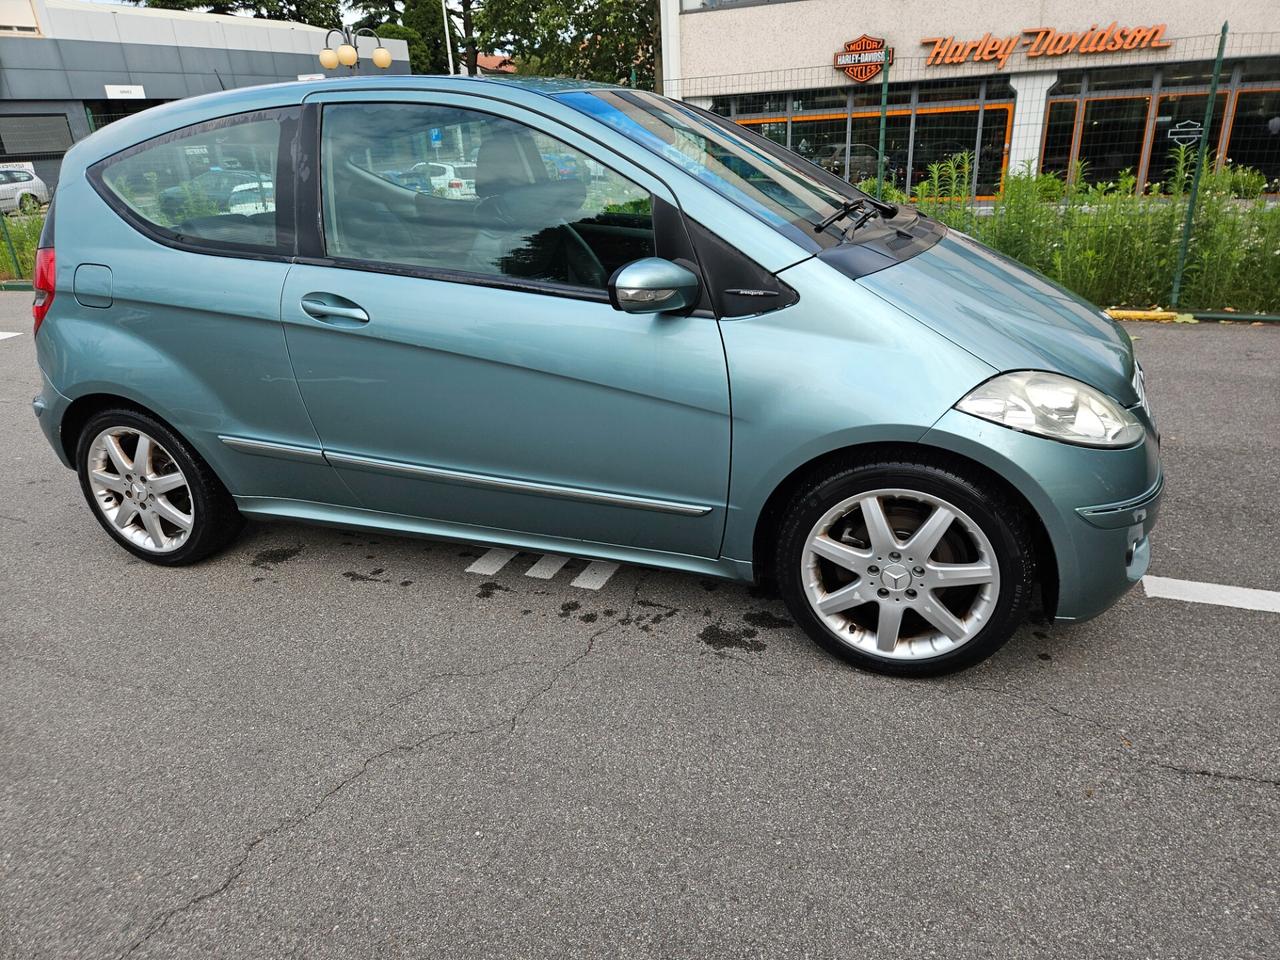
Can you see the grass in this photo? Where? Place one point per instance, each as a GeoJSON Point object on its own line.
{"type": "Point", "coordinates": [24, 232]}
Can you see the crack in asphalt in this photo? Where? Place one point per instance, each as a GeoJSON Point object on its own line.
{"type": "Point", "coordinates": [1131, 751]}
{"type": "Point", "coordinates": [160, 921]}
{"type": "Point", "coordinates": [1217, 774]}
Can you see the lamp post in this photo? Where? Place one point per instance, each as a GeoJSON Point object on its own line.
{"type": "Point", "coordinates": [347, 55]}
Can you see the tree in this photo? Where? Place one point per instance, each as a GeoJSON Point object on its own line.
{"type": "Point", "coordinates": [426, 17]}
{"type": "Point", "coordinates": [592, 39]}
{"type": "Point", "coordinates": [420, 58]}
{"type": "Point", "coordinates": [317, 13]}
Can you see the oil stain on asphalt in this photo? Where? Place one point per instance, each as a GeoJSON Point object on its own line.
{"type": "Point", "coordinates": [719, 638]}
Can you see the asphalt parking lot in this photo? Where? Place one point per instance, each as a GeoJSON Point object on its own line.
{"type": "Point", "coordinates": [331, 744]}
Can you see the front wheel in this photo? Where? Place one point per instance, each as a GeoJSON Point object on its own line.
{"type": "Point", "coordinates": [154, 494]}
{"type": "Point", "coordinates": [907, 568]}
{"type": "Point", "coordinates": [28, 204]}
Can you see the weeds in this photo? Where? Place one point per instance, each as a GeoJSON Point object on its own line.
{"type": "Point", "coordinates": [25, 233]}
{"type": "Point", "coordinates": [1118, 247]}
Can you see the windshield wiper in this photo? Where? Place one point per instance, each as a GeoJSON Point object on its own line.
{"type": "Point", "coordinates": [846, 208]}
{"type": "Point", "coordinates": [869, 206]}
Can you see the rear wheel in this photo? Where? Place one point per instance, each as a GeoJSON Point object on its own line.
{"type": "Point", "coordinates": [28, 203]}
{"type": "Point", "coordinates": [909, 568]}
{"type": "Point", "coordinates": [154, 494]}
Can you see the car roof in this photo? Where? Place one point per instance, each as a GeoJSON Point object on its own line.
{"type": "Point", "coordinates": [164, 118]}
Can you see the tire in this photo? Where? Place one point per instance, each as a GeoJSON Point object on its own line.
{"type": "Point", "coordinates": [186, 513]}
{"type": "Point", "coordinates": [28, 204]}
{"type": "Point", "coordinates": [945, 609]}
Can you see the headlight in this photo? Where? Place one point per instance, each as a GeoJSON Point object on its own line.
{"type": "Point", "coordinates": [1053, 406]}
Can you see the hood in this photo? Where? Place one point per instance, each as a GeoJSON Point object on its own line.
{"type": "Point", "coordinates": [1009, 315]}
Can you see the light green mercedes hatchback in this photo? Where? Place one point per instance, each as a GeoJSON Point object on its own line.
{"type": "Point", "coordinates": [575, 319]}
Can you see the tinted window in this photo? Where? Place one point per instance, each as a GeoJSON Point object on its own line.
{"type": "Point", "coordinates": [212, 182]}
{"type": "Point", "coordinates": [5, 177]}
{"type": "Point", "coordinates": [445, 189]}
{"type": "Point", "coordinates": [20, 176]}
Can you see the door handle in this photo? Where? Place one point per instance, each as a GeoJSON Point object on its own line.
{"type": "Point", "coordinates": [328, 308]}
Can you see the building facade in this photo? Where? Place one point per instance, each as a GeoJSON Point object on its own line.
{"type": "Point", "coordinates": [67, 67]}
{"type": "Point", "coordinates": [1106, 90]}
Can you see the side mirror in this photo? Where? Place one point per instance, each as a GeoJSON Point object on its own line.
{"type": "Point", "coordinates": [652, 285]}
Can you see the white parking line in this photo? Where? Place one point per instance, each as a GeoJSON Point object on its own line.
{"type": "Point", "coordinates": [596, 575]}
{"type": "Point", "coordinates": [492, 561]}
{"type": "Point", "coordinates": [547, 567]}
{"type": "Point", "coordinates": [6, 336]}
{"type": "Point", "coordinates": [1221, 594]}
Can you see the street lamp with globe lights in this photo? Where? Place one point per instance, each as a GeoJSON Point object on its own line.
{"type": "Point", "coordinates": [347, 55]}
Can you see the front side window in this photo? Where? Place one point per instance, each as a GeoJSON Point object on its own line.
{"type": "Point", "coordinates": [214, 182]}
{"type": "Point", "coordinates": [443, 189]}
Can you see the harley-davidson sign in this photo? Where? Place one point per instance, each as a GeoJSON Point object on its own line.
{"type": "Point", "coordinates": [862, 59]}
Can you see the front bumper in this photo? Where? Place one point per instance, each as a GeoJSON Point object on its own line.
{"type": "Point", "coordinates": [1098, 507]}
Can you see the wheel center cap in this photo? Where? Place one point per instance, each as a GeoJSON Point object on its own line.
{"type": "Point", "coordinates": [895, 576]}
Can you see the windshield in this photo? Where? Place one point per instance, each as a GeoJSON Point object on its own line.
{"type": "Point", "coordinates": [784, 190]}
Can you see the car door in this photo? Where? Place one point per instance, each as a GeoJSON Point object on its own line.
{"type": "Point", "coordinates": [459, 356]}
{"type": "Point", "coordinates": [8, 191]}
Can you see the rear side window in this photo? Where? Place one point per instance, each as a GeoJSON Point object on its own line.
{"type": "Point", "coordinates": [210, 186]}
{"type": "Point", "coordinates": [435, 189]}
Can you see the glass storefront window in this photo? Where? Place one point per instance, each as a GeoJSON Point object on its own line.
{"type": "Point", "coordinates": [1255, 134]}
{"type": "Point", "coordinates": [1068, 82]}
{"type": "Point", "coordinates": [1059, 131]}
{"type": "Point", "coordinates": [820, 140]}
{"type": "Point", "coordinates": [1262, 69]}
{"type": "Point", "coordinates": [995, 134]}
{"type": "Point", "coordinates": [864, 152]}
{"type": "Point", "coordinates": [1111, 137]}
{"type": "Point", "coordinates": [763, 103]}
{"type": "Point", "coordinates": [775, 130]}
{"type": "Point", "coordinates": [950, 90]}
{"type": "Point", "coordinates": [942, 133]}
{"type": "Point", "coordinates": [868, 95]}
{"type": "Point", "coordinates": [803, 100]}
{"type": "Point", "coordinates": [1179, 118]}
{"type": "Point", "coordinates": [1121, 78]}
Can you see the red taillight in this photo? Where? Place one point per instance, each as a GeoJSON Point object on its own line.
{"type": "Point", "coordinates": [42, 283]}
{"type": "Point", "coordinates": [455, 184]}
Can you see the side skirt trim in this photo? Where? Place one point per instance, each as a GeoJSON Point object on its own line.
{"type": "Point", "coordinates": [421, 472]}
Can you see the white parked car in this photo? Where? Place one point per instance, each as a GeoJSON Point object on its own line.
{"type": "Point", "coordinates": [456, 181]}
{"type": "Point", "coordinates": [21, 191]}
{"type": "Point", "coordinates": [250, 198]}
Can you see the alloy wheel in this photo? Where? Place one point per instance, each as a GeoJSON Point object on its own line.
{"type": "Point", "coordinates": [900, 574]}
{"type": "Point", "coordinates": [140, 489]}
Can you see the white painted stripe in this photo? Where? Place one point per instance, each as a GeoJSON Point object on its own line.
{"type": "Point", "coordinates": [1221, 594]}
{"type": "Point", "coordinates": [493, 561]}
{"type": "Point", "coordinates": [6, 336]}
{"type": "Point", "coordinates": [596, 575]}
{"type": "Point", "coordinates": [547, 567]}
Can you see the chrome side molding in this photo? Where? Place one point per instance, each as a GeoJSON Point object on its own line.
{"type": "Point", "coordinates": [269, 448]}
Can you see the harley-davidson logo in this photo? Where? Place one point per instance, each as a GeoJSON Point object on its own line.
{"type": "Point", "coordinates": [862, 59]}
